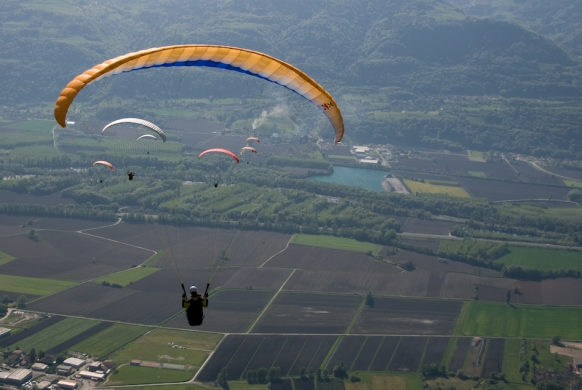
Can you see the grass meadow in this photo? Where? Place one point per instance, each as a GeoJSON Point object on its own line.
{"type": "Point", "coordinates": [156, 346]}
{"type": "Point", "coordinates": [333, 242]}
{"type": "Point", "coordinates": [543, 258]}
{"type": "Point", "coordinates": [124, 278]}
{"type": "Point", "coordinates": [501, 320]}
{"type": "Point", "coordinates": [426, 188]}
{"type": "Point", "coordinates": [133, 375]}
{"type": "Point", "coordinates": [33, 286]}
{"type": "Point", "coordinates": [475, 155]}
{"type": "Point", "coordinates": [511, 360]}
{"type": "Point", "coordinates": [55, 334]}
{"type": "Point", "coordinates": [110, 339]}
{"type": "Point", "coordinates": [4, 258]}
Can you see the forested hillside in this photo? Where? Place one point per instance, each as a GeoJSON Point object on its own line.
{"type": "Point", "coordinates": [558, 20]}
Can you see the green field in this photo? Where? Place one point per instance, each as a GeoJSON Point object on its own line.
{"type": "Point", "coordinates": [187, 386]}
{"type": "Point", "coordinates": [55, 334]}
{"type": "Point", "coordinates": [155, 346]}
{"type": "Point", "coordinates": [110, 339]}
{"type": "Point", "coordinates": [33, 286]}
{"type": "Point", "coordinates": [427, 188]}
{"type": "Point", "coordinates": [32, 125]}
{"type": "Point", "coordinates": [124, 278]}
{"type": "Point", "coordinates": [542, 258]}
{"type": "Point", "coordinates": [154, 258]}
{"type": "Point", "coordinates": [572, 183]}
{"type": "Point", "coordinates": [475, 155]}
{"type": "Point", "coordinates": [547, 359]}
{"type": "Point", "coordinates": [348, 244]}
{"type": "Point", "coordinates": [4, 258]}
{"type": "Point", "coordinates": [511, 360]}
{"type": "Point", "coordinates": [501, 320]}
{"type": "Point", "coordinates": [132, 375]}
{"type": "Point", "coordinates": [562, 213]}
{"type": "Point", "coordinates": [477, 174]}
{"type": "Point", "coordinates": [448, 356]}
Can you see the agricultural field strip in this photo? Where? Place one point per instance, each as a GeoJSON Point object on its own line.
{"type": "Point", "coordinates": [271, 301]}
{"type": "Point", "coordinates": [516, 243]}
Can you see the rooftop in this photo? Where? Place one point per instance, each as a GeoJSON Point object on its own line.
{"type": "Point", "coordinates": [74, 362]}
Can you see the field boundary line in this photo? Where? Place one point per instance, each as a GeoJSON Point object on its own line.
{"type": "Point", "coordinates": [118, 242]}
{"type": "Point", "coordinates": [331, 352]}
{"type": "Point", "coordinates": [461, 319]}
{"type": "Point", "coordinates": [393, 354]}
{"type": "Point", "coordinates": [375, 353]}
{"type": "Point", "coordinates": [297, 357]}
{"type": "Point", "coordinates": [359, 352]}
{"type": "Point", "coordinates": [210, 356]}
{"type": "Point", "coordinates": [281, 251]}
{"type": "Point", "coordinates": [356, 316]}
{"type": "Point", "coordinates": [251, 359]}
{"type": "Point", "coordinates": [449, 352]}
{"type": "Point", "coordinates": [271, 301]}
{"type": "Point", "coordinates": [278, 354]}
{"type": "Point", "coordinates": [423, 355]}
{"type": "Point", "coordinates": [317, 350]}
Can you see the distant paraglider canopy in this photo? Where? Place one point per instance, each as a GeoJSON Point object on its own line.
{"type": "Point", "coordinates": [138, 121]}
{"type": "Point", "coordinates": [253, 139]}
{"type": "Point", "coordinates": [217, 150]}
{"type": "Point", "coordinates": [246, 61]}
{"type": "Point", "coordinates": [249, 149]}
{"type": "Point", "coordinates": [147, 136]}
{"type": "Point", "coordinates": [108, 165]}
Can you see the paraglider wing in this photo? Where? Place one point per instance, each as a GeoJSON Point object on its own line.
{"type": "Point", "coordinates": [216, 150]}
{"type": "Point", "coordinates": [108, 165]}
{"type": "Point", "coordinates": [249, 148]}
{"type": "Point", "coordinates": [253, 139]}
{"type": "Point", "coordinates": [138, 121]}
{"type": "Point", "coordinates": [241, 60]}
{"type": "Point", "coordinates": [147, 136]}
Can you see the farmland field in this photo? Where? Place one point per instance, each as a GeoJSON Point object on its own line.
{"type": "Point", "coordinates": [313, 353]}
{"type": "Point", "coordinates": [257, 278]}
{"type": "Point", "coordinates": [131, 375]}
{"type": "Point", "coordinates": [4, 258]}
{"type": "Point", "coordinates": [14, 339]}
{"type": "Point", "coordinates": [408, 354]}
{"type": "Point", "coordinates": [458, 359]}
{"type": "Point", "coordinates": [228, 311]}
{"type": "Point", "coordinates": [505, 190]}
{"type": "Point", "coordinates": [435, 350]}
{"type": "Point", "coordinates": [157, 346]}
{"type": "Point", "coordinates": [125, 278]}
{"type": "Point", "coordinates": [33, 286]}
{"type": "Point", "coordinates": [301, 313]}
{"type": "Point", "coordinates": [349, 282]}
{"type": "Point", "coordinates": [65, 345]}
{"type": "Point", "coordinates": [312, 258]}
{"type": "Point", "coordinates": [511, 360]}
{"type": "Point", "coordinates": [493, 361]}
{"type": "Point", "coordinates": [367, 353]}
{"type": "Point", "coordinates": [220, 358]}
{"type": "Point", "coordinates": [347, 351]}
{"type": "Point", "coordinates": [237, 366]}
{"type": "Point", "coordinates": [408, 316]}
{"type": "Point", "coordinates": [543, 258]}
{"type": "Point", "coordinates": [55, 334]}
{"type": "Point", "coordinates": [116, 304]}
{"type": "Point", "coordinates": [426, 188]}
{"type": "Point", "coordinates": [520, 321]}
{"type": "Point", "coordinates": [109, 340]}
{"type": "Point", "coordinates": [348, 244]}
{"type": "Point", "coordinates": [291, 350]}
{"type": "Point", "coordinates": [384, 353]}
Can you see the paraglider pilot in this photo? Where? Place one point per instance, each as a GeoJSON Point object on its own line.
{"type": "Point", "coordinates": [130, 175]}
{"type": "Point", "coordinates": [194, 305]}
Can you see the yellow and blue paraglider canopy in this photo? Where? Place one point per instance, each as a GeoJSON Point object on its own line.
{"type": "Point", "coordinates": [231, 58]}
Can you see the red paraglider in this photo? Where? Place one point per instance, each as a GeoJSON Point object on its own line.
{"type": "Point", "coordinates": [217, 150]}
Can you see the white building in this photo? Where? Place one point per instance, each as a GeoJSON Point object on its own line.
{"type": "Point", "coordinates": [74, 362]}
{"type": "Point", "coordinates": [68, 385]}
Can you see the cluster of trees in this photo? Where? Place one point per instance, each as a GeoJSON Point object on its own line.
{"type": "Point", "coordinates": [527, 273]}
{"type": "Point", "coordinates": [262, 375]}
{"type": "Point", "coordinates": [473, 252]}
